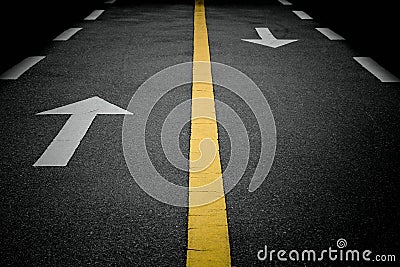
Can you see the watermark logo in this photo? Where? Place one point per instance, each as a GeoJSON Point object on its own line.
{"type": "Point", "coordinates": [149, 94]}
{"type": "Point", "coordinates": [341, 243]}
{"type": "Point", "coordinates": [331, 254]}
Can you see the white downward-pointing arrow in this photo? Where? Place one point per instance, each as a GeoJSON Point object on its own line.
{"type": "Point", "coordinates": [61, 149]}
{"type": "Point", "coordinates": [267, 39]}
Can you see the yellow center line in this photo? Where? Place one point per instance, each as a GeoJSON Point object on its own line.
{"type": "Point", "coordinates": [208, 240]}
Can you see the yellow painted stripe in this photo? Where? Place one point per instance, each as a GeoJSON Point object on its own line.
{"type": "Point", "coordinates": [208, 240]}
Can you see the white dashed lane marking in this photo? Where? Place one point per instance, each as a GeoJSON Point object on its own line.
{"type": "Point", "coordinates": [67, 34]}
{"type": "Point", "coordinates": [302, 15]}
{"type": "Point", "coordinates": [378, 71]}
{"type": "Point", "coordinates": [331, 35]}
{"type": "Point", "coordinates": [19, 69]}
{"type": "Point", "coordinates": [285, 3]}
{"type": "Point", "coordinates": [94, 15]}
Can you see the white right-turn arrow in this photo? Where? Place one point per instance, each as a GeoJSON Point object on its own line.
{"type": "Point", "coordinates": [267, 39]}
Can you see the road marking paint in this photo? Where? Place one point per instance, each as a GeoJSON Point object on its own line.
{"type": "Point", "coordinates": [19, 69]}
{"type": "Point", "coordinates": [208, 240]}
{"type": "Point", "coordinates": [94, 15]}
{"type": "Point", "coordinates": [377, 70]}
{"type": "Point", "coordinates": [285, 3]}
{"type": "Point", "coordinates": [302, 15]}
{"type": "Point", "coordinates": [109, 2]}
{"type": "Point", "coordinates": [67, 34]}
{"type": "Point", "coordinates": [268, 39]}
{"type": "Point", "coordinates": [63, 146]}
{"type": "Point", "coordinates": [331, 35]}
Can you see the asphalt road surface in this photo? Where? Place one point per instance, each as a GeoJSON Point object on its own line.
{"type": "Point", "coordinates": [334, 180]}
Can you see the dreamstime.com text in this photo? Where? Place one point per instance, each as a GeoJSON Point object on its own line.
{"type": "Point", "coordinates": [330, 254]}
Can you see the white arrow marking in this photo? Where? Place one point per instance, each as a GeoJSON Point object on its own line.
{"type": "Point", "coordinates": [63, 146]}
{"type": "Point", "coordinates": [267, 39]}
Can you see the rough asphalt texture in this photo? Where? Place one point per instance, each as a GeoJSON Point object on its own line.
{"type": "Point", "coordinates": [335, 174]}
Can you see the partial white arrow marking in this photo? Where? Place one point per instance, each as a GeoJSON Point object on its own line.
{"type": "Point", "coordinates": [63, 146]}
{"type": "Point", "coordinates": [267, 39]}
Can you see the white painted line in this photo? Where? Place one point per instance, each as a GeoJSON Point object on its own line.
{"type": "Point", "coordinates": [67, 34]}
{"type": "Point", "coordinates": [94, 15]}
{"type": "Point", "coordinates": [63, 146]}
{"type": "Point", "coordinates": [377, 70]}
{"type": "Point", "coordinates": [268, 39]}
{"type": "Point", "coordinates": [302, 15]}
{"type": "Point", "coordinates": [20, 68]}
{"type": "Point", "coordinates": [285, 3]}
{"type": "Point", "coordinates": [330, 34]}
{"type": "Point", "coordinates": [109, 2]}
